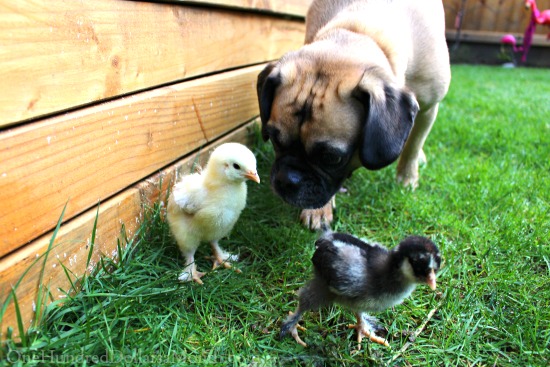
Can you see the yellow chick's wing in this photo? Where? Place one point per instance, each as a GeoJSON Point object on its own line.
{"type": "Point", "coordinates": [190, 193]}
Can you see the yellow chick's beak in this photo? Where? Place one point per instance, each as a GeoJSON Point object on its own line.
{"type": "Point", "coordinates": [431, 280]}
{"type": "Point", "coordinates": [251, 175]}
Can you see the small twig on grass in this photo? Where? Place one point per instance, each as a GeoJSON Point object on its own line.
{"type": "Point", "coordinates": [417, 332]}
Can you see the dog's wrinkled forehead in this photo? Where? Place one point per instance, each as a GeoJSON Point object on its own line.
{"type": "Point", "coordinates": [291, 104]}
{"type": "Point", "coordinates": [313, 103]}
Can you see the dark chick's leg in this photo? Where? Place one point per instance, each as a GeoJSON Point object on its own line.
{"type": "Point", "coordinates": [366, 327]}
{"type": "Point", "coordinates": [291, 325]}
{"type": "Point", "coordinates": [312, 296]}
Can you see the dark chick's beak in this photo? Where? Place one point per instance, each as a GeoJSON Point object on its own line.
{"type": "Point", "coordinates": [431, 280]}
{"type": "Point", "coordinates": [253, 176]}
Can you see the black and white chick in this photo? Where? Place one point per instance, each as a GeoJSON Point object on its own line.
{"type": "Point", "coordinates": [364, 278]}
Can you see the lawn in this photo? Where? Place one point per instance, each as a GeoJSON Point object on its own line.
{"type": "Point", "coordinates": [483, 198]}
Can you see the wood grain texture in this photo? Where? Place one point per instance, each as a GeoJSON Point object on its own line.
{"type": "Point", "coordinates": [73, 240]}
{"type": "Point", "coordinates": [58, 57]}
{"type": "Point", "coordinates": [86, 156]}
{"type": "Point", "coordinates": [290, 7]}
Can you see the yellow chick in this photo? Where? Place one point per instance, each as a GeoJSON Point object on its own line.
{"type": "Point", "coordinates": [204, 207]}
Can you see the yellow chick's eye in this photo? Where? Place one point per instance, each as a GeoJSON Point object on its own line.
{"type": "Point", "coordinates": [236, 166]}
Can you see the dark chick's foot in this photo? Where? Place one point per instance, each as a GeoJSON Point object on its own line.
{"type": "Point", "coordinates": [366, 326]}
{"type": "Point", "coordinates": [294, 332]}
{"type": "Point", "coordinates": [361, 332]}
{"type": "Point", "coordinates": [374, 325]}
{"type": "Point", "coordinates": [291, 326]}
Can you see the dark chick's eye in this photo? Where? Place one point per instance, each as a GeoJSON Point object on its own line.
{"type": "Point", "coordinates": [236, 166]}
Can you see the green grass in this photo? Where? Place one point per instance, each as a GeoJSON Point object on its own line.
{"type": "Point", "coordinates": [483, 198]}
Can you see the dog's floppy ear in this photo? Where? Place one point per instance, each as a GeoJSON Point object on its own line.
{"type": "Point", "coordinates": [390, 114]}
{"type": "Point", "coordinates": [267, 83]}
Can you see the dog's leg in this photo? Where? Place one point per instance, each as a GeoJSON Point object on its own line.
{"type": "Point", "coordinates": [413, 155]}
{"type": "Point", "coordinates": [314, 218]}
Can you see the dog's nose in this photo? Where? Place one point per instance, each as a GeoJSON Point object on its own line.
{"type": "Point", "coordinates": [289, 180]}
{"type": "Point", "coordinates": [294, 177]}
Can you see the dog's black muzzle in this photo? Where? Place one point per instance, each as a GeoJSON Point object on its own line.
{"type": "Point", "coordinates": [302, 184]}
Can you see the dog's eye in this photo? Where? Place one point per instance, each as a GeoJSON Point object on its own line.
{"type": "Point", "coordinates": [276, 144]}
{"type": "Point", "coordinates": [331, 159]}
{"type": "Point", "coordinates": [299, 116]}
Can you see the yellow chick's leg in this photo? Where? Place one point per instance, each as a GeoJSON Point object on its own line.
{"type": "Point", "coordinates": [364, 329]}
{"type": "Point", "coordinates": [221, 257]}
{"type": "Point", "coordinates": [190, 272]}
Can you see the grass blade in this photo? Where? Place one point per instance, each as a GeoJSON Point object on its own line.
{"type": "Point", "coordinates": [41, 295]}
{"type": "Point", "coordinates": [92, 240]}
{"type": "Point", "coordinates": [20, 324]}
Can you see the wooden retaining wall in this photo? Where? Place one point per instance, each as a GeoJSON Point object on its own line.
{"type": "Point", "coordinates": [103, 99]}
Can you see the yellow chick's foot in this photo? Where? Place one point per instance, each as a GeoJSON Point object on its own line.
{"type": "Point", "coordinates": [190, 273]}
{"type": "Point", "coordinates": [364, 329]}
{"type": "Point", "coordinates": [221, 257]}
{"type": "Point", "coordinates": [225, 262]}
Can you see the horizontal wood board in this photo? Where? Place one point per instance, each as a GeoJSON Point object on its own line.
{"type": "Point", "coordinates": [291, 7]}
{"type": "Point", "coordinates": [83, 157]}
{"type": "Point", "coordinates": [58, 57]}
{"type": "Point", "coordinates": [73, 240]}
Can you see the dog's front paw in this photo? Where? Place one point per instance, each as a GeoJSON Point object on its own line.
{"type": "Point", "coordinates": [314, 218]}
{"type": "Point", "coordinates": [408, 178]}
{"type": "Point", "coordinates": [407, 172]}
{"type": "Point", "coordinates": [422, 160]}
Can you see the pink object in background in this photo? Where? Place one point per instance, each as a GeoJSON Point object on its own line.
{"type": "Point", "coordinates": [508, 39]}
{"type": "Point", "coordinates": [537, 17]}
{"type": "Point", "coordinates": [541, 17]}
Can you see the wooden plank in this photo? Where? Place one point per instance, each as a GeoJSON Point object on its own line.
{"type": "Point", "coordinates": [503, 20]}
{"type": "Point", "coordinates": [452, 8]}
{"type": "Point", "coordinates": [290, 7]}
{"type": "Point", "coordinates": [490, 11]}
{"type": "Point", "coordinates": [86, 156]}
{"type": "Point", "coordinates": [517, 21]}
{"type": "Point", "coordinates": [72, 243]}
{"type": "Point", "coordinates": [78, 52]}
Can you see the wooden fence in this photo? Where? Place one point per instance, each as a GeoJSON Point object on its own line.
{"type": "Point", "coordinates": [102, 100]}
{"type": "Point", "coordinates": [488, 20]}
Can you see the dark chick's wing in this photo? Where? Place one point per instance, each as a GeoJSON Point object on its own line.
{"type": "Point", "coordinates": [351, 240]}
{"type": "Point", "coordinates": [323, 258]}
{"type": "Point", "coordinates": [342, 265]}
